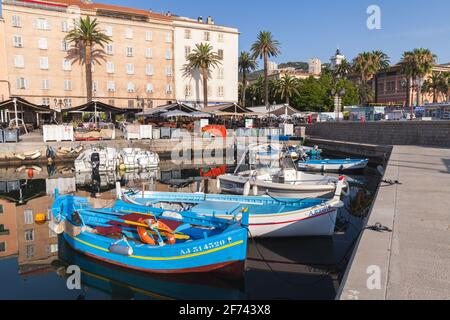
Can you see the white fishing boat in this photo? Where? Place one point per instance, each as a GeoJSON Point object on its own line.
{"type": "Point", "coordinates": [269, 217]}
{"type": "Point", "coordinates": [135, 158]}
{"type": "Point", "coordinates": [265, 153]}
{"type": "Point", "coordinates": [103, 159]}
{"type": "Point", "coordinates": [288, 183]}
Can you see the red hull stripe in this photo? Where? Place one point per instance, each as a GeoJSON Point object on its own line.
{"type": "Point", "coordinates": [291, 221]}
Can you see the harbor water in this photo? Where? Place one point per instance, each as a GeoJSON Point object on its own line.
{"type": "Point", "coordinates": [34, 262]}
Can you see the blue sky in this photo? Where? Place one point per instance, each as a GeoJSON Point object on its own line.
{"type": "Point", "coordinates": [314, 28]}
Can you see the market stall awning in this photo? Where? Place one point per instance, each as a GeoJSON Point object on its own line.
{"type": "Point", "coordinates": [23, 105]}
{"type": "Point", "coordinates": [229, 108]}
{"type": "Point", "coordinates": [155, 112]}
{"type": "Point", "coordinates": [175, 113]}
{"type": "Point", "coordinates": [97, 106]}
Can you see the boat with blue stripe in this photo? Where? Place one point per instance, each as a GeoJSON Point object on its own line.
{"type": "Point", "coordinates": [268, 216]}
{"type": "Point", "coordinates": [150, 239]}
{"type": "Point", "coordinates": [332, 165]}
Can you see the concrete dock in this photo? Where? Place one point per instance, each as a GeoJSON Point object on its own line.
{"type": "Point", "coordinates": [412, 261]}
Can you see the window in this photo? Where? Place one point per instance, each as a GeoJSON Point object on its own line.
{"type": "Point", "coordinates": [29, 235]}
{"type": "Point", "coordinates": [18, 41]}
{"type": "Point", "coordinates": [129, 51]}
{"type": "Point", "coordinates": [130, 68]}
{"type": "Point", "coordinates": [68, 102]}
{"type": "Point", "coordinates": [30, 252]}
{"type": "Point", "coordinates": [43, 43]}
{"type": "Point", "coordinates": [52, 234]}
{"type": "Point", "coordinates": [169, 37]}
{"type": "Point", "coordinates": [149, 36]}
{"type": "Point", "coordinates": [22, 83]}
{"type": "Point", "coordinates": [130, 104]}
{"type": "Point", "coordinates": [16, 22]}
{"type": "Point", "coordinates": [220, 54]}
{"type": "Point", "coordinates": [187, 51]}
{"type": "Point", "coordinates": [45, 84]}
{"type": "Point", "coordinates": [1, 209]}
{"type": "Point", "coordinates": [220, 73]}
{"type": "Point", "coordinates": [46, 101]}
{"type": "Point", "coordinates": [42, 24]}
{"type": "Point", "coordinates": [109, 67]}
{"type": "Point", "coordinates": [187, 34]}
{"type": "Point", "coordinates": [53, 248]}
{"type": "Point", "coordinates": [221, 37]}
{"type": "Point", "coordinates": [111, 86]}
{"type": "Point", "coordinates": [149, 70]}
{"type": "Point", "coordinates": [67, 66]}
{"type": "Point", "coordinates": [94, 86]}
{"type": "Point", "coordinates": [168, 54]}
{"type": "Point", "coordinates": [109, 31]}
{"type": "Point", "coordinates": [109, 49]}
{"type": "Point", "coordinates": [129, 33]}
{"type": "Point", "coordinates": [149, 53]}
{"type": "Point", "coordinates": [130, 87]}
{"type": "Point", "coordinates": [207, 36]}
{"type": "Point", "coordinates": [67, 85]}
{"type": "Point", "coordinates": [64, 45]}
{"type": "Point", "coordinates": [19, 62]}
{"type": "Point", "coordinates": [188, 90]}
{"type": "Point", "coordinates": [64, 26]}
{"type": "Point", "coordinates": [220, 91]}
{"type": "Point", "coordinates": [149, 88]}
{"type": "Point", "coordinates": [169, 71]}
{"type": "Point", "coordinates": [43, 63]}
{"type": "Point", "coordinates": [168, 88]}
{"type": "Point", "coordinates": [2, 246]}
{"type": "Point", "coordinates": [112, 102]}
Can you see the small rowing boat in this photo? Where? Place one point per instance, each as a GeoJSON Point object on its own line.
{"type": "Point", "coordinates": [335, 165]}
{"type": "Point", "coordinates": [269, 216]}
{"type": "Point", "coordinates": [151, 239]}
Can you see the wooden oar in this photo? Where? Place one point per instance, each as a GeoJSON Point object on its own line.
{"type": "Point", "coordinates": [164, 232]}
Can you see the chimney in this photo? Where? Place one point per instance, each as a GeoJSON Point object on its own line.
{"type": "Point", "coordinates": [200, 19]}
{"type": "Point", "coordinates": [209, 20]}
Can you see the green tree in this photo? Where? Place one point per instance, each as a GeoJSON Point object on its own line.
{"type": "Point", "coordinates": [264, 48]}
{"type": "Point", "coordinates": [246, 64]}
{"type": "Point", "coordinates": [416, 65]}
{"type": "Point", "coordinates": [287, 87]}
{"type": "Point", "coordinates": [203, 59]}
{"type": "Point", "coordinates": [435, 85]}
{"type": "Point", "coordinates": [84, 37]}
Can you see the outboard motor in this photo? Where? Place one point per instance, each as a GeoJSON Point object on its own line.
{"type": "Point", "coordinates": [95, 160]}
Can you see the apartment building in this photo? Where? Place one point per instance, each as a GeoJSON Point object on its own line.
{"type": "Point", "coordinates": [141, 67]}
{"type": "Point", "coordinates": [223, 82]}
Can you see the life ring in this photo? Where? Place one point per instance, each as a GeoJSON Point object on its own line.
{"type": "Point", "coordinates": [146, 236]}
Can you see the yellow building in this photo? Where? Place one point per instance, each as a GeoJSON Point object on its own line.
{"type": "Point", "coordinates": [137, 70]}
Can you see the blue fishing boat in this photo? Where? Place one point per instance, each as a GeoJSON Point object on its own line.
{"type": "Point", "coordinates": [151, 239]}
{"type": "Point", "coordinates": [335, 165]}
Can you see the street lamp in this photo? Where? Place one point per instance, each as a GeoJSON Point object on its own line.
{"type": "Point", "coordinates": [338, 101]}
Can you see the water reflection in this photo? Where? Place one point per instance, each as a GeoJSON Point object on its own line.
{"type": "Point", "coordinates": [31, 256]}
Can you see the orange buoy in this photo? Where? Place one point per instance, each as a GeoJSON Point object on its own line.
{"type": "Point", "coordinates": [146, 237]}
{"type": "Point", "coordinates": [40, 218]}
{"type": "Point", "coordinates": [30, 173]}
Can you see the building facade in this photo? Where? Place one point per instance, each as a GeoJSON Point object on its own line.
{"type": "Point", "coordinates": [337, 59]}
{"type": "Point", "coordinates": [391, 87]}
{"type": "Point", "coordinates": [315, 66]}
{"type": "Point", "coordinates": [223, 81]}
{"type": "Point", "coordinates": [137, 69]}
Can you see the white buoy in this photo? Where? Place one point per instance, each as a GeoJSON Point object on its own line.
{"type": "Point", "coordinates": [247, 187]}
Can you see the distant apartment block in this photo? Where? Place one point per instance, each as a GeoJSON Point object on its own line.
{"type": "Point", "coordinates": [143, 63]}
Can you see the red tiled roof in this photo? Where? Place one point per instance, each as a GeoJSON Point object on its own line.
{"type": "Point", "coordinates": [94, 6]}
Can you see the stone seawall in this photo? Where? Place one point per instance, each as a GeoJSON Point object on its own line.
{"type": "Point", "coordinates": [424, 133]}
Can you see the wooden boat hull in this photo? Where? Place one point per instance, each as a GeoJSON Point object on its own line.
{"type": "Point", "coordinates": [317, 220]}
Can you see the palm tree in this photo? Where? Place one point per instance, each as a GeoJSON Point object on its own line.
{"type": "Point", "coordinates": [84, 37]}
{"type": "Point", "coordinates": [203, 58]}
{"type": "Point", "coordinates": [342, 69]}
{"type": "Point", "coordinates": [415, 65]}
{"type": "Point", "coordinates": [287, 87]}
{"type": "Point", "coordinates": [264, 48]}
{"type": "Point", "coordinates": [367, 65]}
{"type": "Point", "coordinates": [381, 62]}
{"type": "Point", "coordinates": [246, 65]}
{"type": "Point", "coordinates": [435, 85]}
